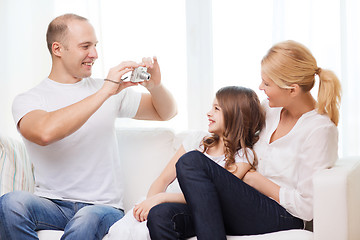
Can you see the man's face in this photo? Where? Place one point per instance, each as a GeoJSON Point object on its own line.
{"type": "Point", "coordinates": [79, 49]}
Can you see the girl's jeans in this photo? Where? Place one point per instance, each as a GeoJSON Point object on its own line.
{"type": "Point", "coordinates": [218, 204]}
{"type": "Point", "coordinates": [23, 213]}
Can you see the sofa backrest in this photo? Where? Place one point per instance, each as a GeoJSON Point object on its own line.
{"type": "Point", "coordinates": [143, 153]}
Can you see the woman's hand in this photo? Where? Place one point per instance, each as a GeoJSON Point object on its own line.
{"type": "Point", "coordinates": [142, 209]}
{"type": "Point", "coordinates": [249, 178]}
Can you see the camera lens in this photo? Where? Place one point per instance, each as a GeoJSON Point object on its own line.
{"type": "Point", "coordinates": [145, 75]}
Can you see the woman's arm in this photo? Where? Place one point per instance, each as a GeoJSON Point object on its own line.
{"type": "Point", "coordinates": [242, 169]}
{"type": "Point", "coordinates": [156, 193]}
{"type": "Point", "coordinates": [262, 184]}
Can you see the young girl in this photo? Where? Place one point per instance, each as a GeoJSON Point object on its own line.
{"type": "Point", "coordinates": [235, 121]}
{"type": "Point", "coordinates": [299, 139]}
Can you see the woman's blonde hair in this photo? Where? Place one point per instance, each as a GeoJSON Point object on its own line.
{"type": "Point", "coordinates": [290, 62]}
{"type": "Point", "coordinates": [244, 117]}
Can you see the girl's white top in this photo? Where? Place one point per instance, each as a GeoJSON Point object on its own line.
{"type": "Point", "coordinates": [193, 142]}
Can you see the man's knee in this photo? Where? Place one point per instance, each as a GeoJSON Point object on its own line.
{"type": "Point", "coordinates": [93, 220]}
{"type": "Point", "coordinates": [14, 210]}
{"type": "Point", "coordinates": [15, 202]}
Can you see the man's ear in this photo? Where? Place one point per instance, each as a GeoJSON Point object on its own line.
{"type": "Point", "coordinates": [56, 48]}
{"type": "Point", "coordinates": [295, 89]}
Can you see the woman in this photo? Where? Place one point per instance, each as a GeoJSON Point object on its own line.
{"type": "Point", "coordinates": [300, 138]}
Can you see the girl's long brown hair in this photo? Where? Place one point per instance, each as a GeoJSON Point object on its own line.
{"type": "Point", "coordinates": [243, 119]}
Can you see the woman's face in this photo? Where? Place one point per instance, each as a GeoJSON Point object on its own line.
{"type": "Point", "coordinates": [216, 119]}
{"type": "Point", "coordinates": [277, 97]}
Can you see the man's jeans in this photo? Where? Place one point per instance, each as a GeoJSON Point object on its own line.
{"type": "Point", "coordinates": [23, 213]}
{"type": "Point", "coordinates": [218, 204]}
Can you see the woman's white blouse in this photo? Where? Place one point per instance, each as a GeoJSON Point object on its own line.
{"type": "Point", "coordinates": [292, 160]}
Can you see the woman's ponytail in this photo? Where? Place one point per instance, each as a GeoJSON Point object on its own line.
{"type": "Point", "coordinates": [290, 62]}
{"type": "Point", "coordinates": [329, 95]}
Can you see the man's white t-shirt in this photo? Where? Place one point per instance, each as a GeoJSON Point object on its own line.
{"type": "Point", "coordinates": [84, 166]}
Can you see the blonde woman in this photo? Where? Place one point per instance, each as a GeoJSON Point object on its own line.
{"type": "Point", "coordinates": [299, 139]}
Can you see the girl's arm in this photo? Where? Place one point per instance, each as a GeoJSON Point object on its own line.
{"type": "Point", "coordinates": [156, 193]}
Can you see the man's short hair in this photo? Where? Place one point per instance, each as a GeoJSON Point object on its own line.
{"type": "Point", "coordinates": [58, 28]}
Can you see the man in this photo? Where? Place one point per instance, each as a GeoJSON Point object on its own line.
{"type": "Point", "coordinates": [67, 123]}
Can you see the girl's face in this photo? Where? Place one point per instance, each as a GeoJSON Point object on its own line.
{"type": "Point", "coordinates": [216, 119]}
{"type": "Point", "coordinates": [277, 97]}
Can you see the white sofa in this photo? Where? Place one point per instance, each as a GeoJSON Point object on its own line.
{"type": "Point", "coordinates": [144, 153]}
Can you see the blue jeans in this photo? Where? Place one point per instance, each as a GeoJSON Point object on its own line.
{"type": "Point", "coordinates": [218, 204]}
{"type": "Point", "coordinates": [23, 213]}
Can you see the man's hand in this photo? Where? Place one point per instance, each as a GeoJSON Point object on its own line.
{"type": "Point", "coordinates": [154, 69]}
{"type": "Point", "coordinates": [114, 84]}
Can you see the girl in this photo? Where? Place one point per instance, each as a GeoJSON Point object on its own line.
{"type": "Point", "coordinates": [299, 139]}
{"type": "Point", "coordinates": [235, 120]}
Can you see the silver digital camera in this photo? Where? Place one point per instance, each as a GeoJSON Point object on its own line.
{"type": "Point", "coordinates": [140, 74]}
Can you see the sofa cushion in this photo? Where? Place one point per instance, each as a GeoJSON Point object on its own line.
{"type": "Point", "coordinates": [15, 167]}
{"type": "Point", "coordinates": [282, 235]}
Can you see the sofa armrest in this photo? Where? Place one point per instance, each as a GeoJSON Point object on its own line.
{"type": "Point", "coordinates": [336, 201]}
{"type": "Point", "coordinates": [16, 171]}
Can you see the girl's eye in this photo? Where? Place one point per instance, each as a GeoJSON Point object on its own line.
{"type": "Point", "coordinates": [216, 108]}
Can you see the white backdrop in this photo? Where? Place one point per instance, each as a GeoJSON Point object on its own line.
{"type": "Point", "coordinates": [201, 45]}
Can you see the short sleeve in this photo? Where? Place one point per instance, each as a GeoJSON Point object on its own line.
{"type": "Point", "coordinates": [129, 102]}
{"type": "Point", "coordinates": [25, 103]}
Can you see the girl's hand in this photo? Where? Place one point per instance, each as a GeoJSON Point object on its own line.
{"type": "Point", "coordinates": [142, 209]}
{"type": "Point", "coordinates": [154, 69]}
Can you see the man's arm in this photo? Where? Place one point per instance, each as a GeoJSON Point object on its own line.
{"type": "Point", "coordinates": [43, 127]}
{"type": "Point", "coordinates": [159, 104]}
